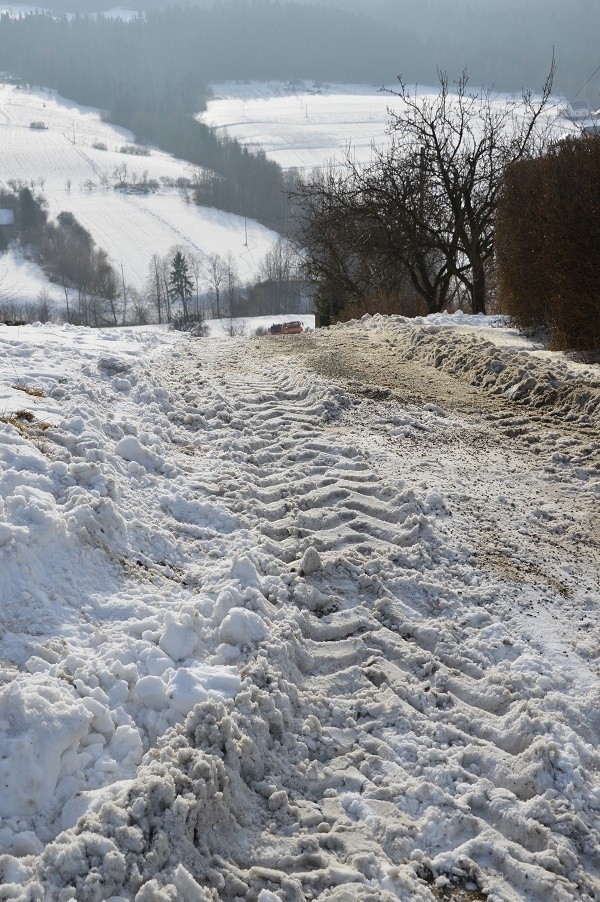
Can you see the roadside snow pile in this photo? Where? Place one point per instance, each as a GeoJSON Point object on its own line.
{"type": "Point", "coordinates": [516, 375]}
{"type": "Point", "coordinates": [245, 655]}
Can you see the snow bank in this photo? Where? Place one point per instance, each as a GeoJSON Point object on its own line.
{"type": "Point", "coordinates": [516, 375]}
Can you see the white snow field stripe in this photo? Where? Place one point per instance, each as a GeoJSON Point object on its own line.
{"type": "Point", "coordinates": [311, 124]}
{"type": "Point", "coordinates": [268, 612]}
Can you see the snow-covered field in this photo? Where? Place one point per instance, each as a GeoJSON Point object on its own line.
{"type": "Point", "coordinates": [302, 618]}
{"type": "Point", "coordinates": [308, 124]}
{"type": "Point", "coordinates": [63, 162]}
{"type": "Point", "coordinates": [302, 126]}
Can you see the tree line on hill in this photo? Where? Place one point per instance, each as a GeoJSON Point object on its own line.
{"type": "Point", "coordinates": [66, 251]}
{"type": "Point", "coordinates": [151, 75]}
{"type": "Point", "coordinates": [502, 42]}
{"type": "Point", "coordinates": [147, 76]}
{"type": "Point", "coordinates": [182, 288]}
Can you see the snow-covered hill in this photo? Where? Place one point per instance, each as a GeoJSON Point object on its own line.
{"type": "Point", "coordinates": [308, 124]}
{"type": "Point", "coordinates": [73, 173]}
{"type": "Point", "coordinates": [301, 125]}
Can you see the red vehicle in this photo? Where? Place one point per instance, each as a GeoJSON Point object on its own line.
{"type": "Point", "coordinates": [294, 327]}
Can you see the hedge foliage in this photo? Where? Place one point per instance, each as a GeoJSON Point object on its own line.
{"type": "Point", "coordinates": [547, 244]}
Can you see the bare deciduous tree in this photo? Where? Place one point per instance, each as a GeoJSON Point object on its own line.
{"type": "Point", "coordinates": [459, 142]}
{"type": "Point", "coordinates": [216, 273]}
{"type": "Point", "coordinates": [421, 214]}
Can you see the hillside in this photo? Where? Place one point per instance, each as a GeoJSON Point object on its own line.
{"type": "Point", "coordinates": [306, 123]}
{"type": "Point", "coordinates": [131, 226]}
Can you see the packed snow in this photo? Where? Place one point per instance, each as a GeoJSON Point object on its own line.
{"type": "Point", "coordinates": [73, 161]}
{"type": "Point", "coordinates": [307, 617]}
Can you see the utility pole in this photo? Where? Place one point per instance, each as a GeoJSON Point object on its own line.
{"type": "Point", "coordinates": [124, 294]}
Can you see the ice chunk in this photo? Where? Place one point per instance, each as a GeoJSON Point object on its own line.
{"type": "Point", "coordinates": [244, 570]}
{"type": "Point", "coordinates": [228, 598]}
{"type": "Point", "coordinates": [41, 721]}
{"type": "Point", "coordinates": [129, 448]}
{"type": "Point", "coordinates": [127, 743]}
{"type": "Point", "coordinates": [311, 561]}
{"type": "Point", "coordinates": [191, 685]}
{"type": "Point", "coordinates": [242, 627]}
{"type": "Point", "coordinates": [26, 843]}
{"type": "Point", "coordinates": [151, 691]}
{"type": "Point", "coordinates": [187, 888]}
{"type": "Point", "coordinates": [178, 641]}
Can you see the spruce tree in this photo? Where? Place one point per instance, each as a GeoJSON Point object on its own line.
{"type": "Point", "coordinates": [180, 284]}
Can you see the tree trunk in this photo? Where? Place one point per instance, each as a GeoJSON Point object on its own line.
{"type": "Point", "coordinates": [478, 286]}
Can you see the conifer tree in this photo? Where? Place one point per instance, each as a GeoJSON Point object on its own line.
{"type": "Point", "coordinates": [180, 284]}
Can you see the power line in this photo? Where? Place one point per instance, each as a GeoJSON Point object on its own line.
{"type": "Point", "coordinates": [559, 106]}
{"type": "Point", "coordinates": [597, 69]}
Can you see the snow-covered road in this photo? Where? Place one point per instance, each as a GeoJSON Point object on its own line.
{"type": "Point", "coordinates": [300, 618]}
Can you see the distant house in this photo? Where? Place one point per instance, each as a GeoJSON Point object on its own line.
{"type": "Point", "coordinates": [7, 217]}
{"type": "Point", "coordinates": [7, 227]}
{"type": "Point", "coordinates": [578, 110]}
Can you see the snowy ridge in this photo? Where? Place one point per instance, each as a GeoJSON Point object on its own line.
{"type": "Point", "coordinates": [518, 376]}
{"type": "Point", "coordinates": [271, 658]}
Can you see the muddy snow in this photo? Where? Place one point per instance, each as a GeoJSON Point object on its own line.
{"type": "Point", "coordinates": [312, 617]}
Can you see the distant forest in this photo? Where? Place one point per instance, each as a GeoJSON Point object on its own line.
{"type": "Point", "coordinates": [152, 74]}
{"type": "Point", "coordinates": [503, 43]}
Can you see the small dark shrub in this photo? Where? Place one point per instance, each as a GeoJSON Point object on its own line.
{"type": "Point", "coordinates": [192, 324]}
{"type": "Point", "coordinates": [135, 150]}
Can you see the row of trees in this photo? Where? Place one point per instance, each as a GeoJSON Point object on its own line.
{"type": "Point", "coordinates": [173, 293]}
{"type": "Point", "coordinates": [89, 282]}
{"type": "Point", "coordinates": [68, 254]}
{"type": "Point", "coordinates": [184, 287]}
{"type": "Point", "coordinates": [151, 75]}
{"type": "Point", "coordinates": [413, 231]}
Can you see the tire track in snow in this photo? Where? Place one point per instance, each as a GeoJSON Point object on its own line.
{"type": "Point", "coordinates": [392, 738]}
{"type": "Point", "coordinates": [426, 724]}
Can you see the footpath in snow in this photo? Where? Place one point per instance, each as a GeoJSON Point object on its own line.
{"type": "Point", "coordinates": [300, 618]}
